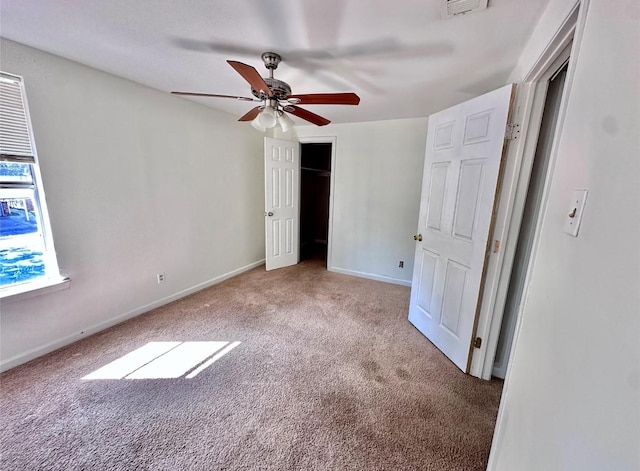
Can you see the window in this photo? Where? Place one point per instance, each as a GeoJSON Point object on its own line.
{"type": "Point", "coordinates": [27, 256]}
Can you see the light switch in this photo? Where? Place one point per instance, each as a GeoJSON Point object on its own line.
{"type": "Point", "coordinates": [574, 214]}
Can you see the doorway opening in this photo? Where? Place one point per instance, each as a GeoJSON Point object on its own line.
{"type": "Point", "coordinates": [315, 192]}
{"type": "Point", "coordinates": [530, 218]}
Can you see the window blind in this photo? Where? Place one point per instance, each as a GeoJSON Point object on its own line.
{"type": "Point", "coordinates": [15, 137]}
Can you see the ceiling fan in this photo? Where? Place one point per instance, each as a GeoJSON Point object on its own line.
{"type": "Point", "coordinates": [276, 98]}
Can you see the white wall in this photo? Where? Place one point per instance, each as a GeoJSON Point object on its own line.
{"type": "Point", "coordinates": [378, 177]}
{"type": "Point", "coordinates": [572, 394]}
{"type": "Point", "coordinates": [137, 182]}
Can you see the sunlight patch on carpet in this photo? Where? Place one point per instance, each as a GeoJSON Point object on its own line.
{"type": "Point", "coordinates": [164, 360]}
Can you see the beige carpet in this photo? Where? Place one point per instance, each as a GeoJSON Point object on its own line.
{"type": "Point", "coordinates": [329, 375]}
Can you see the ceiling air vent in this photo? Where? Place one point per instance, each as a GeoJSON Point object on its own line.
{"type": "Point", "coordinates": [451, 8]}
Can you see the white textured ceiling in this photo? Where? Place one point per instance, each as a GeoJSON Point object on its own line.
{"type": "Point", "coordinates": [399, 56]}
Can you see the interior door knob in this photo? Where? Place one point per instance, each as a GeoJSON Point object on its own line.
{"type": "Point", "coordinates": [270, 213]}
{"type": "Point", "coordinates": [418, 237]}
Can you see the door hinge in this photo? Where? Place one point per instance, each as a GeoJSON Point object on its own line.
{"type": "Point", "coordinates": [496, 246]}
{"type": "Point", "coordinates": [477, 343]}
{"type": "Point", "coordinates": [511, 132]}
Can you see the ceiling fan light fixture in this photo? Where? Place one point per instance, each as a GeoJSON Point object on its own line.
{"type": "Point", "coordinates": [256, 124]}
{"type": "Point", "coordinates": [284, 121]}
{"type": "Point", "coordinates": [267, 118]}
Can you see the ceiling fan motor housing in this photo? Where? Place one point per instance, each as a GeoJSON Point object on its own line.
{"type": "Point", "coordinates": [281, 90]}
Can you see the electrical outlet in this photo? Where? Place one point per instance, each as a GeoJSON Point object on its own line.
{"type": "Point", "coordinates": [401, 264]}
{"type": "Point", "coordinates": [160, 278]}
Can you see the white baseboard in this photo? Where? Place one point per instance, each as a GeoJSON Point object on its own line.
{"type": "Point", "coordinates": [371, 276]}
{"type": "Point", "coordinates": [63, 342]}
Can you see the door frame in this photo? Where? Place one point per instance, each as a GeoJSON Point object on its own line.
{"type": "Point", "coordinates": [543, 88]}
{"type": "Point", "coordinates": [530, 99]}
{"type": "Point", "coordinates": [325, 140]}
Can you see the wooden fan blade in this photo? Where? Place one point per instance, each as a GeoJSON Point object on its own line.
{"type": "Point", "coordinates": [307, 115]}
{"type": "Point", "coordinates": [251, 114]}
{"type": "Point", "coordinates": [327, 99]}
{"type": "Point", "coordinates": [251, 75]}
{"type": "Point", "coordinates": [241, 98]}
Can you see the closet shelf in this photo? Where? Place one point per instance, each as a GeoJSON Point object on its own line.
{"type": "Point", "coordinates": [320, 171]}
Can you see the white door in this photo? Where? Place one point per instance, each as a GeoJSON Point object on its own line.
{"type": "Point", "coordinates": [282, 207]}
{"type": "Point", "coordinates": [459, 189]}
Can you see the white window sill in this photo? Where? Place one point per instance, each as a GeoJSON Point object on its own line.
{"type": "Point", "coordinates": [32, 289]}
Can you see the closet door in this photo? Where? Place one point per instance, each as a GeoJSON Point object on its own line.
{"type": "Point", "coordinates": [282, 202]}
